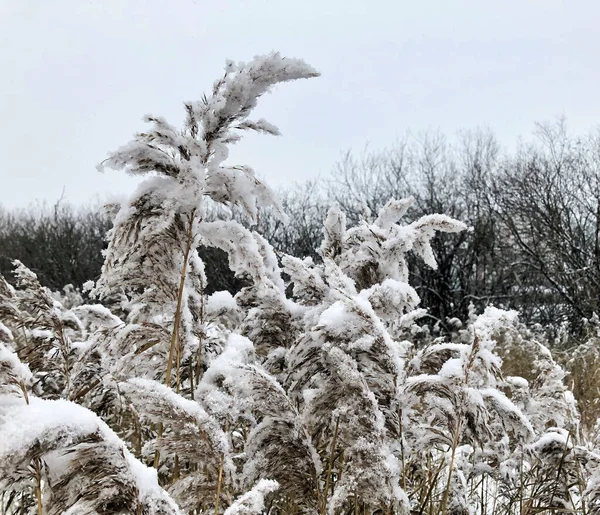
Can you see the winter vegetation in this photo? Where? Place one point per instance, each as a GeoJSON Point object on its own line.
{"type": "Point", "coordinates": [372, 356]}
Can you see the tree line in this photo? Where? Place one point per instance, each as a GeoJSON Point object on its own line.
{"type": "Point", "coordinates": [533, 213]}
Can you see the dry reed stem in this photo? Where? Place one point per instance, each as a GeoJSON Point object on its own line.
{"type": "Point", "coordinates": [219, 484]}
{"type": "Point", "coordinates": [38, 486]}
{"type": "Point", "coordinates": [330, 466]}
{"type": "Point", "coordinates": [176, 322]}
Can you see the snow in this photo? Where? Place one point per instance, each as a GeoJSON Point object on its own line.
{"type": "Point", "coordinates": [238, 351]}
{"type": "Point", "coordinates": [5, 333]}
{"type": "Point", "coordinates": [14, 369]}
{"type": "Point", "coordinates": [335, 318]}
{"type": "Point", "coordinates": [551, 440]}
{"type": "Point", "coordinates": [393, 211]}
{"type": "Point", "coordinates": [517, 382]}
{"type": "Point", "coordinates": [88, 286]}
{"type": "Point", "coordinates": [152, 391]}
{"type": "Point", "coordinates": [510, 414]}
{"type": "Point", "coordinates": [253, 502]}
{"type": "Point", "coordinates": [53, 420]}
{"type": "Point", "coordinates": [452, 368]}
{"type": "Point", "coordinates": [392, 298]}
{"type": "Point", "coordinates": [98, 314]}
{"type": "Point", "coordinates": [146, 479]}
{"type": "Point", "coordinates": [458, 348]}
{"type": "Point", "coordinates": [492, 320]}
{"type": "Point", "coordinates": [220, 301]}
{"type": "Point", "coordinates": [227, 367]}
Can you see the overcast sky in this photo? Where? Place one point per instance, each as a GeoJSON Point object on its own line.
{"type": "Point", "coordinates": [77, 76]}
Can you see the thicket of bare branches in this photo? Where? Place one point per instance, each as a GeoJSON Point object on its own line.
{"type": "Point", "coordinates": [62, 243]}
{"type": "Point", "coordinates": [534, 213]}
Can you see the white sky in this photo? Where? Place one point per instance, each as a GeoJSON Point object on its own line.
{"type": "Point", "coordinates": [77, 76]}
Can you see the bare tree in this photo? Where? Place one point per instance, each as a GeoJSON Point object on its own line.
{"type": "Point", "coordinates": [548, 197]}
{"type": "Point", "coordinates": [61, 244]}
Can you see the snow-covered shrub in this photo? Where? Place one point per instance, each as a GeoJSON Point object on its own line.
{"type": "Point", "coordinates": [314, 389]}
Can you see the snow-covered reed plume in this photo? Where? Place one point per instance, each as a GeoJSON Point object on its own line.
{"type": "Point", "coordinates": [151, 257]}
